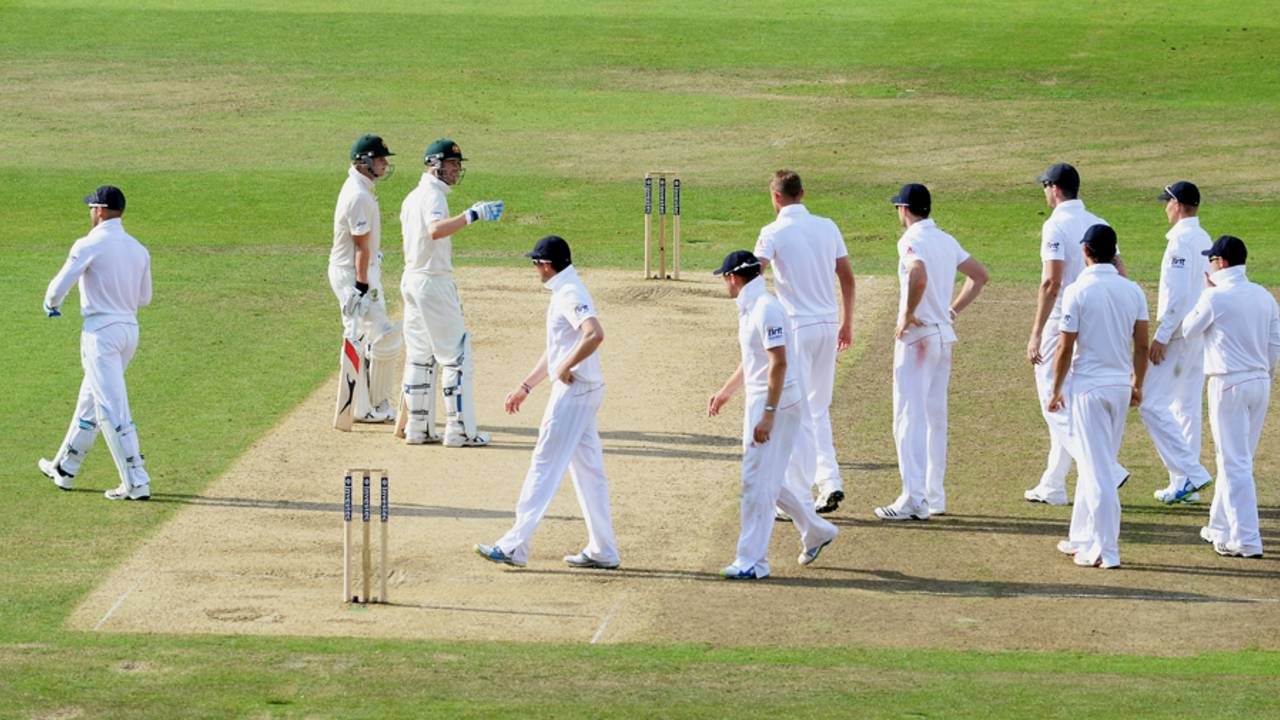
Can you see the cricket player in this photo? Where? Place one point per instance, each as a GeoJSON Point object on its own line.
{"type": "Point", "coordinates": [928, 259]}
{"type": "Point", "coordinates": [1239, 323]}
{"type": "Point", "coordinates": [1103, 343]}
{"type": "Point", "coordinates": [114, 274]}
{"type": "Point", "coordinates": [1062, 261]}
{"type": "Point", "coordinates": [803, 249]}
{"type": "Point", "coordinates": [773, 412]}
{"type": "Point", "coordinates": [355, 274]}
{"type": "Point", "coordinates": [435, 334]}
{"type": "Point", "coordinates": [1171, 396]}
{"type": "Point", "coordinates": [568, 438]}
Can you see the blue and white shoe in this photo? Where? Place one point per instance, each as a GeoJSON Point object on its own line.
{"type": "Point", "coordinates": [733, 572]}
{"type": "Point", "coordinates": [1183, 492]}
{"type": "Point", "coordinates": [493, 553]}
{"type": "Point", "coordinates": [808, 555]}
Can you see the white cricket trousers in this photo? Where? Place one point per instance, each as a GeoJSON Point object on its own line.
{"type": "Point", "coordinates": [1097, 424]}
{"type": "Point", "coordinates": [921, 375]}
{"type": "Point", "coordinates": [433, 323]}
{"type": "Point", "coordinates": [1237, 409]}
{"type": "Point", "coordinates": [815, 362]}
{"type": "Point", "coordinates": [1172, 409]}
{"type": "Point", "coordinates": [764, 467]}
{"type": "Point", "coordinates": [568, 439]}
{"type": "Point", "coordinates": [105, 354]}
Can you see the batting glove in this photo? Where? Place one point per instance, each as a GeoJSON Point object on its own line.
{"type": "Point", "coordinates": [487, 210]}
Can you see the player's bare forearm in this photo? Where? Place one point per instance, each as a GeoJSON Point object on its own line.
{"type": "Point", "coordinates": [1062, 362]}
{"type": "Point", "coordinates": [848, 289]}
{"type": "Point", "coordinates": [538, 373]}
{"type": "Point", "coordinates": [445, 228]}
{"type": "Point", "coordinates": [1139, 355]}
{"type": "Point", "coordinates": [777, 375]}
{"type": "Point", "coordinates": [726, 391]}
{"type": "Point", "coordinates": [975, 279]}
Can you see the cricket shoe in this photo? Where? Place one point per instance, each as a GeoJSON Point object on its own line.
{"type": "Point", "coordinates": [1176, 492]}
{"type": "Point", "coordinates": [1230, 549]}
{"type": "Point", "coordinates": [461, 440]}
{"type": "Point", "coordinates": [1039, 495]}
{"type": "Point", "coordinates": [54, 472]}
{"type": "Point", "coordinates": [1208, 535]}
{"type": "Point", "coordinates": [415, 438]}
{"type": "Point", "coordinates": [1080, 560]}
{"type": "Point", "coordinates": [808, 555]}
{"type": "Point", "coordinates": [381, 413]}
{"type": "Point", "coordinates": [829, 502]}
{"type": "Point", "coordinates": [1066, 547]}
{"type": "Point", "coordinates": [493, 553]}
{"type": "Point", "coordinates": [902, 511]}
{"type": "Point", "coordinates": [129, 492]}
{"type": "Point", "coordinates": [583, 560]}
{"type": "Point", "coordinates": [779, 516]}
{"type": "Point", "coordinates": [733, 572]}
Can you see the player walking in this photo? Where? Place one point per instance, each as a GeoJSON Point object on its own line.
{"type": "Point", "coordinates": [1239, 323]}
{"type": "Point", "coordinates": [772, 414]}
{"type": "Point", "coordinates": [803, 249]}
{"type": "Point", "coordinates": [1171, 396]}
{"type": "Point", "coordinates": [1103, 344]}
{"type": "Point", "coordinates": [114, 273]}
{"type": "Point", "coordinates": [568, 438]}
{"type": "Point", "coordinates": [355, 274]}
{"type": "Point", "coordinates": [435, 334]}
{"type": "Point", "coordinates": [928, 259]}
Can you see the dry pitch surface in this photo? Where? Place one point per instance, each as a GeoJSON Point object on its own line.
{"type": "Point", "coordinates": [259, 551]}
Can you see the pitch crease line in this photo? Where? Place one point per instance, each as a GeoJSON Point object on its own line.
{"type": "Point", "coordinates": [605, 623]}
{"type": "Point", "coordinates": [119, 601]}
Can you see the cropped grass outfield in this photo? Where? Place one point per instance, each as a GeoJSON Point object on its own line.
{"type": "Point", "coordinates": [227, 123]}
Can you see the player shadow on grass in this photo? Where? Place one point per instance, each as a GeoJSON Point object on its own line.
{"type": "Point", "coordinates": [398, 510]}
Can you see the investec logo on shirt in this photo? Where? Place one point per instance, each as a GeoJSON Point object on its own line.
{"type": "Point", "coordinates": [1177, 262]}
{"type": "Point", "coordinates": [1053, 245]}
{"type": "Point", "coordinates": [774, 333]}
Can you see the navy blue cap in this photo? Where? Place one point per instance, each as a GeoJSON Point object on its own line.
{"type": "Point", "coordinates": [1101, 241]}
{"type": "Point", "coordinates": [1184, 192]}
{"type": "Point", "coordinates": [1229, 248]}
{"type": "Point", "coordinates": [737, 261]}
{"type": "Point", "coordinates": [553, 249]}
{"type": "Point", "coordinates": [1062, 175]}
{"type": "Point", "coordinates": [914, 197]}
{"type": "Point", "coordinates": [107, 196]}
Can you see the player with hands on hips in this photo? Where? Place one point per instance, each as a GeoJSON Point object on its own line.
{"type": "Point", "coordinates": [773, 412]}
{"type": "Point", "coordinates": [113, 271]}
{"type": "Point", "coordinates": [371, 342]}
{"type": "Point", "coordinates": [568, 438]}
{"type": "Point", "coordinates": [436, 337]}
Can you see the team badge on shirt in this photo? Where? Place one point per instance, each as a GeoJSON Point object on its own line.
{"type": "Point", "coordinates": [1053, 246]}
{"type": "Point", "coordinates": [360, 225]}
{"type": "Point", "coordinates": [1177, 262]}
{"type": "Point", "coordinates": [773, 333]}
{"type": "Point", "coordinates": [581, 310]}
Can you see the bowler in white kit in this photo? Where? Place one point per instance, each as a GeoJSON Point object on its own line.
{"type": "Point", "coordinates": [113, 271]}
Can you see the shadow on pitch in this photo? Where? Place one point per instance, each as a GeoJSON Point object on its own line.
{"type": "Point", "coordinates": [398, 510]}
{"type": "Point", "coordinates": [634, 443]}
{"type": "Point", "coordinates": [1131, 531]}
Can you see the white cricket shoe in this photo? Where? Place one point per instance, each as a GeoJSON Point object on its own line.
{"type": "Point", "coordinates": [1039, 495]}
{"type": "Point", "coordinates": [381, 413]}
{"type": "Point", "coordinates": [780, 516]}
{"type": "Point", "coordinates": [903, 511]}
{"type": "Point", "coordinates": [458, 439]}
{"type": "Point", "coordinates": [583, 560]}
{"type": "Point", "coordinates": [1230, 549]}
{"type": "Point", "coordinates": [54, 473]}
{"type": "Point", "coordinates": [1174, 493]}
{"type": "Point", "coordinates": [1066, 547]}
{"type": "Point", "coordinates": [808, 555]}
{"type": "Point", "coordinates": [415, 438]}
{"type": "Point", "coordinates": [129, 492]}
{"type": "Point", "coordinates": [1208, 535]}
{"type": "Point", "coordinates": [1080, 560]}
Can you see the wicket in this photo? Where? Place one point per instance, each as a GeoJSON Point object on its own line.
{"type": "Point", "coordinates": [366, 550]}
{"type": "Point", "coordinates": [662, 225]}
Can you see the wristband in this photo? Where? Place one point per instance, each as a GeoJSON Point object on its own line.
{"type": "Point", "coordinates": [362, 288]}
{"type": "Point", "coordinates": [527, 390]}
{"type": "Point", "coordinates": [770, 408]}
{"type": "Point", "coordinates": [472, 215]}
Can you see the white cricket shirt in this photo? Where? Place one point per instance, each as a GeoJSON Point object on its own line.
{"type": "Point", "coordinates": [426, 204]}
{"type": "Point", "coordinates": [763, 324]}
{"type": "Point", "coordinates": [1240, 323]}
{"type": "Point", "coordinates": [114, 272]}
{"type": "Point", "coordinates": [803, 248]}
{"type": "Point", "coordinates": [925, 242]}
{"type": "Point", "coordinates": [570, 306]}
{"type": "Point", "coordinates": [356, 214]}
{"type": "Point", "coordinates": [1060, 239]}
{"type": "Point", "coordinates": [1182, 274]}
{"type": "Point", "coordinates": [1102, 307]}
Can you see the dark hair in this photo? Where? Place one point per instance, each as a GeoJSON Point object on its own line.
{"type": "Point", "coordinates": [560, 264]}
{"type": "Point", "coordinates": [787, 184]}
{"type": "Point", "coordinates": [748, 273]}
{"type": "Point", "coordinates": [1068, 192]}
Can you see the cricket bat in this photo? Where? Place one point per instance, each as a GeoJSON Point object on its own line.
{"type": "Point", "coordinates": [350, 374]}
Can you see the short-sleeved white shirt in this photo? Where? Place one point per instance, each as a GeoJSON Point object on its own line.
{"type": "Point", "coordinates": [356, 214]}
{"type": "Point", "coordinates": [803, 248]}
{"type": "Point", "coordinates": [1240, 323]}
{"type": "Point", "coordinates": [763, 324]}
{"type": "Point", "coordinates": [941, 254]}
{"type": "Point", "coordinates": [1102, 307]}
{"type": "Point", "coordinates": [1182, 272]}
{"type": "Point", "coordinates": [114, 272]}
{"type": "Point", "coordinates": [571, 305]}
{"type": "Point", "coordinates": [425, 204]}
{"type": "Point", "coordinates": [1060, 239]}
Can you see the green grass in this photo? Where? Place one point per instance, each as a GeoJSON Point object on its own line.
{"type": "Point", "coordinates": [228, 128]}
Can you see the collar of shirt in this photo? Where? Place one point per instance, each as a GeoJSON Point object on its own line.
{"type": "Point", "coordinates": [918, 228]}
{"type": "Point", "coordinates": [1229, 275]}
{"type": "Point", "coordinates": [749, 293]}
{"type": "Point", "coordinates": [365, 182]}
{"type": "Point", "coordinates": [1100, 269]}
{"type": "Point", "coordinates": [1068, 206]}
{"type": "Point", "coordinates": [558, 281]}
{"type": "Point", "coordinates": [430, 180]}
{"type": "Point", "coordinates": [1182, 226]}
{"type": "Point", "coordinates": [107, 226]}
{"type": "Point", "coordinates": [793, 210]}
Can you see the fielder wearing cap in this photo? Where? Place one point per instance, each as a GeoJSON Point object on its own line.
{"type": "Point", "coordinates": [774, 410]}
{"type": "Point", "coordinates": [567, 437]}
{"type": "Point", "coordinates": [1103, 345]}
{"type": "Point", "coordinates": [1239, 323]}
{"type": "Point", "coordinates": [1061, 262]}
{"type": "Point", "coordinates": [435, 333]}
{"type": "Point", "coordinates": [928, 259]}
{"type": "Point", "coordinates": [803, 250]}
{"type": "Point", "coordinates": [1172, 394]}
{"type": "Point", "coordinates": [355, 274]}
{"type": "Point", "coordinates": [113, 271]}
